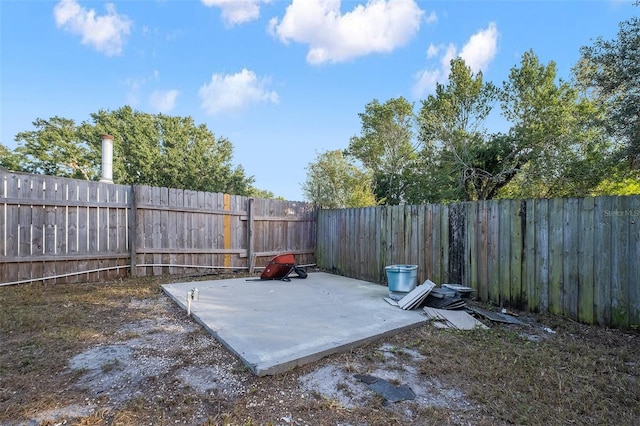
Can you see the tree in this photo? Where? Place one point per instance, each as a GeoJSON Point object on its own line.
{"type": "Point", "coordinates": [9, 160]}
{"type": "Point", "coordinates": [332, 182]}
{"type": "Point", "coordinates": [263, 193]}
{"type": "Point", "coordinates": [559, 151]}
{"type": "Point", "coordinates": [156, 150]}
{"type": "Point", "coordinates": [466, 162]}
{"type": "Point", "coordinates": [55, 149]}
{"type": "Point", "coordinates": [610, 71]}
{"type": "Point", "coordinates": [386, 147]}
{"type": "Point", "coordinates": [551, 149]}
{"type": "Point", "coordinates": [162, 150]}
{"type": "Point", "coordinates": [617, 185]}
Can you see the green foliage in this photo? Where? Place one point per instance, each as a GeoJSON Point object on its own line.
{"type": "Point", "coordinates": [555, 146]}
{"type": "Point", "coordinates": [155, 150]}
{"type": "Point", "coordinates": [333, 182]}
{"type": "Point", "coordinates": [561, 149]}
{"type": "Point", "coordinates": [609, 70]}
{"type": "Point", "coordinates": [9, 160]}
{"type": "Point", "coordinates": [262, 193]}
{"type": "Point", "coordinates": [466, 161]}
{"type": "Point", "coordinates": [166, 151]}
{"type": "Point", "coordinates": [55, 149]}
{"type": "Point", "coordinates": [385, 147]}
{"type": "Point", "coordinates": [615, 185]}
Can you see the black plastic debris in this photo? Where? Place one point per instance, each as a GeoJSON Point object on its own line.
{"type": "Point", "coordinates": [464, 291]}
{"type": "Point", "coordinates": [495, 316]}
{"type": "Point", "coordinates": [388, 391]}
{"type": "Point", "coordinates": [444, 298]}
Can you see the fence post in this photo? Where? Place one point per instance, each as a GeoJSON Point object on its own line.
{"type": "Point", "coordinates": [457, 230]}
{"type": "Point", "coordinates": [250, 248]}
{"type": "Point", "coordinates": [132, 231]}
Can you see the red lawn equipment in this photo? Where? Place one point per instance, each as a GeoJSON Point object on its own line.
{"type": "Point", "coordinates": [281, 266]}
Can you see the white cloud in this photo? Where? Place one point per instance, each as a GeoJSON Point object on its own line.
{"type": "Point", "coordinates": [425, 81]}
{"type": "Point", "coordinates": [481, 48]}
{"type": "Point", "coordinates": [106, 33]}
{"type": "Point", "coordinates": [378, 26]}
{"type": "Point", "coordinates": [478, 52]}
{"type": "Point", "coordinates": [237, 11]}
{"type": "Point", "coordinates": [135, 86]}
{"type": "Point", "coordinates": [235, 91]}
{"type": "Point", "coordinates": [432, 18]}
{"type": "Point", "coordinates": [163, 100]}
{"type": "Point", "coordinates": [432, 51]}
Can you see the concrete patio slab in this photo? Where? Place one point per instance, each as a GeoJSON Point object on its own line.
{"type": "Point", "coordinates": [274, 326]}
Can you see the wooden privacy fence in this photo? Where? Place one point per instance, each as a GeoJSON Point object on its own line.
{"type": "Point", "coordinates": [65, 230]}
{"type": "Point", "coordinates": [178, 230]}
{"type": "Point", "coordinates": [579, 258]}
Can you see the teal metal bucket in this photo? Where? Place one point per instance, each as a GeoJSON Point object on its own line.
{"type": "Point", "coordinates": [401, 280]}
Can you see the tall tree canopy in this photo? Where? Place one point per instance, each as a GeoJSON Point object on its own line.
{"type": "Point", "coordinates": [333, 182]}
{"type": "Point", "coordinates": [54, 148]}
{"type": "Point", "coordinates": [610, 71]}
{"type": "Point", "coordinates": [464, 157]}
{"type": "Point", "coordinates": [157, 150]}
{"type": "Point", "coordinates": [10, 160]}
{"type": "Point", "coordinates": [559, 151]}
{"type": "Point", "coordinates": [386, 147]}
{"type": "Point", "coordinates": [549, 150]}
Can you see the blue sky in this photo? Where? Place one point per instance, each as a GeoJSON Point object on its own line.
{"type": "Point", "coordinates": [282, 80]}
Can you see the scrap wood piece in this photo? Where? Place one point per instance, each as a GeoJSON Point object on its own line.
{"type": "Point", "coordinates": [495, 316]}
{"type": "Point", "coordinates": [439, 321]}
{"type": "Point", "coordinates": [416, 296]}
{"type": "Point", "coordinates": [459, 320]}
{"type": "Point", "coordinates": [390, 392]}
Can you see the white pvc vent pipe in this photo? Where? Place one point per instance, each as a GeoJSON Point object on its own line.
{"type": "Point", "coordinates": [107, 159]}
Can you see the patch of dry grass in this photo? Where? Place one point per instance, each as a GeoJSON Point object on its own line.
{"type": "Point", "coordinates": [509, 374]}
{"type": "Point", "coordinates": [580, 375]}
{"type": "Point", "coordinates": [43, 326]}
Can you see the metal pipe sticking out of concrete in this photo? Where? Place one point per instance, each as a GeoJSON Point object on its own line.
{"type": "Point", "coordinates": [191, 295]}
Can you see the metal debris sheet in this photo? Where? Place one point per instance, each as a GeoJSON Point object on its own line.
{"type": "Point", "coordinates": [495, 316]}
{"type": "Point", "coordinates": [446, 318]}
{"type": "Point", "coordinates": [390, 392]}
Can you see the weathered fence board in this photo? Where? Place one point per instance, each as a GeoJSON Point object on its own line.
{"type": "Point", "coordinates": [504, 250]}
{"type": "Point", "coordinates": [586, 249]}
{"type": "Point", "coordinates": [481, 242]}
{"type": "Point", "coordinates": [620, 269]}
{"type": "Point", "coordinates": [570, 257]}
{"type": "Point", "coordinates": [529, 285]}
{"type": "Point", "coordinates": [472, 239]}
{"type": "Point", "coordinates": [518, 218]}
{"type": "Point", "coordinates": [602, 265]}
{"type": "Point", "coordinates": [634, 261]}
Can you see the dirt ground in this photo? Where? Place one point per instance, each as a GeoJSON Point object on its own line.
{"type": "Point", "coordinates": [140, 360]}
